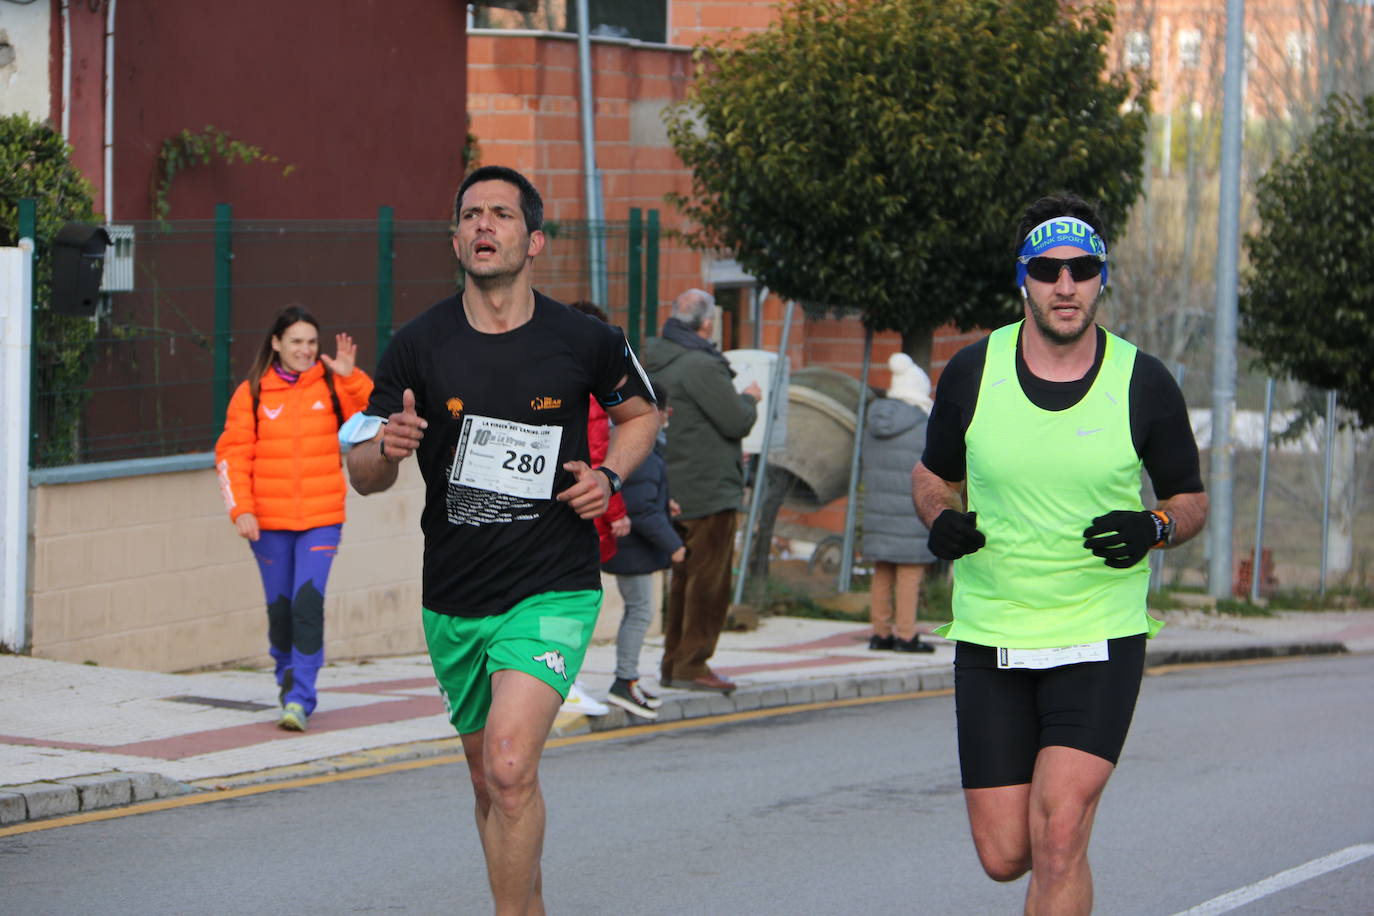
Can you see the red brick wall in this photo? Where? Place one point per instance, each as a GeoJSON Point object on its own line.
{"type": "Point", "coordinates": [367, 104]}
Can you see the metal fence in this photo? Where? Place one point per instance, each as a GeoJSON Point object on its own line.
{"type": "Point", "coordinates": [1317, 528]}
{"type": "Point", "coordinates": [192, 300]}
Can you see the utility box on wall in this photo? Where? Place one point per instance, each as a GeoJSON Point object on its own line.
{"type": "Point", "coordinates": [78, 260]}
{"type": "Point", "coordinates": [119, 260]}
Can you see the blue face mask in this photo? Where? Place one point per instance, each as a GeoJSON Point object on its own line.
{"type": "Point", "coordinates": [1062, 230]}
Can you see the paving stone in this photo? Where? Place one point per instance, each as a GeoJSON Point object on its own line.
{"type": "Point", "coordinates": [670, 711]}
{"type": "Point", "coordinates": [823, 691]}
{"type": "Point", "coordinates": [798, 694]}
{"type": "Point", "coordinates": [893, 685]}
{"type": "Point", "coordinates": [105, 790]}
{"type": "Point", "coordinates": [773, 696]}
{"type": "Point", "coordinates": [747, 699]}
{"type": "Point", "coordinates": [937, 680]}
{"type": "Point", "coordinates": [846, 689]}
{"type": "Point", "coordinates": [870, 686]}
{"type": "Point", "coordinates": [720, 705]}
{"type": "Point", "coordinates": [48, 799]}
{"type": "Point", "coordinates": [160, 786]}
{"type": "Point", "coordinates": [696, 707]}
{"type": "Point", "coordinates": [13, 808]}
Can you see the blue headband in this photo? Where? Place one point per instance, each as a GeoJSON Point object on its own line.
{"type": "Point", "coordinates": [1062, 230]}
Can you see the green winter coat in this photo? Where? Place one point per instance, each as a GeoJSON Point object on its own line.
{"type": "Point", "coordinates": [705, 467]}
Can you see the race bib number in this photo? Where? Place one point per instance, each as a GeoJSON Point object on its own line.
{"type": "Point", "coordinates": [1052, 658]}
{"type": "Point", "coordinates": [506, 457]}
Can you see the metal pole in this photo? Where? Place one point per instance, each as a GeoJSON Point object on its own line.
{"type": "Point", "coordinates": [1326, 484]}
{"type": "Point", "coordinates": [386, 292]}
{"type": "Point", "coordinates": [596, 264]}
{"type": "Point", "coordinates": [16, 354]}
{"type": "Point", "coordinates": [224, 263]}
{"type": "Point", "coordinates": [28, 229]}
{"type": "Point", "coordinates": [851, 512]}
{"type": "Point", "coordinates": [756, 498]}
{"type": "Point", "coordinates": [761, 294]}
{"type": "Point", "coordinates": [636, 277]}
{"type": "Point", "coordinates": [1224, 338]}
{"type": "Point", "coordinates": [1263, 491]}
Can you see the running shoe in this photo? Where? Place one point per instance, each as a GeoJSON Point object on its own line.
{"type": "Point", "coordinates": [579, 701]}
{"type": "Point", "coordinates": [630, 697]}
{"type": "Point", "coordinates": [293, 718]}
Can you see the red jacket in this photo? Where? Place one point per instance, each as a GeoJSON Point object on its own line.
{"type": "Point", "coordinates": [286, 468]}
{"type": "Point", "coordinates": [598, 442]}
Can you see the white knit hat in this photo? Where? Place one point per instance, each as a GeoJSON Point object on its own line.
{"type": "Point", "coordinates": [910, 383]}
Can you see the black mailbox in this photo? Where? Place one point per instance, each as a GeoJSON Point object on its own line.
{"type": "Point", "coordinates": [78, 261]}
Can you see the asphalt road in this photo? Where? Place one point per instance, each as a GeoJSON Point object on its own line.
{"type": "Point", "coordinates": [1232, 776]}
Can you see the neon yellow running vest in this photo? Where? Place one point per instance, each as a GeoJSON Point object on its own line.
{"type": "Point", "coordinates": [1037, 478]}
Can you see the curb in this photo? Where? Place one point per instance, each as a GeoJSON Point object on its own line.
{"type": "Point", "coordinates": [1158, 658]}
{"type": "Point", "coordinates": [75, 794]}
{"type": "Point", "coordinates": [682, 705]}
{"type": "Point", "coordinates": [36, 800]}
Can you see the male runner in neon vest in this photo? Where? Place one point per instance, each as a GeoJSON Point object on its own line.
{"type": "Point", "coordinates": [1049, 608]}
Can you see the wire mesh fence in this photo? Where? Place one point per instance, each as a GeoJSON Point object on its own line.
{"type": "Point", "coordinates": [1318, 523]}
{"type": "Point", "coordinates": [173, 339]}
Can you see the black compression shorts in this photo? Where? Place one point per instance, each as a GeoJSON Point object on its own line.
{"type": "Point", "coordinates": [1006, 716]}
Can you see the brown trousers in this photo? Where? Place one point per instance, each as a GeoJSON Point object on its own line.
{"type": "Point", "coordinates": [893, 598]}
{"type": "Point", "coordinates": [698, 596]}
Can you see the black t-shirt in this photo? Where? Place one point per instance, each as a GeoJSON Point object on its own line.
{"type": "Point", "coordinates": [1160, 429]}
{"type": "Point", "coordinates": [497, 400]}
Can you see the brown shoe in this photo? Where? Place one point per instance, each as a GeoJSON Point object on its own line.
{"type": "Point", "coordinates": [710, 681]}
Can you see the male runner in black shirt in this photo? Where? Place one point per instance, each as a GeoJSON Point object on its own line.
{"type": "Point", "coordinates": [489, 390]}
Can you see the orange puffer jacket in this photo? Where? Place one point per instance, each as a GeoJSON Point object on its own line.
{"type": "Point", "coordinates": [287, 471]}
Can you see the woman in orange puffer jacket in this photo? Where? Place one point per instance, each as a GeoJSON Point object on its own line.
{"type": "Point", "coordinates": [281, 474]}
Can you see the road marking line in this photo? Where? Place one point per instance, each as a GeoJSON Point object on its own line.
{"type": "Point", "coordinates": [1284, 879]}
{"type": "Point", "coordinates": [212, 795]}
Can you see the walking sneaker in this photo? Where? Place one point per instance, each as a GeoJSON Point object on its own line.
{"type": "Point", "coordinates": [630, 697]}
{"type": "Point", "coordinates": [650, 700]}
{"type": "Point", "coordinates": [293, 718]}
{"type": "Point", "coordinates": [579, 701]}
{"type": "Point", "coordinates": [287, 682]}
{"type": "Point", "coordinates": [913, 644]}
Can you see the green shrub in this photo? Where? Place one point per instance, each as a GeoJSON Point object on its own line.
{"type": "Point", "coordinates": [36, 162]}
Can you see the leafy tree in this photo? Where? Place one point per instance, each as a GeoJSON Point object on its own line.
{"type": "Point", "coordinates": [1308, 302]}
{"type": "Point", "coordinates": [36, 162]}
{"type": "Point", "coordinates": [876, 154]}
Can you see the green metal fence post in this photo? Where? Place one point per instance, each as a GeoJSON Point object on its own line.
{"type": "Point", "coordinates": [386, 256]}
{"type": "Point", "coordinates": [224, 258]}
{"type": "Point", "coordinates": [636, 276]}
{"type": "Point", "coordinates": [651, 277]}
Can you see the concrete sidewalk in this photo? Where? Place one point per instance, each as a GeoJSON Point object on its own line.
{"type": "Point", "coordinates": [77, 738]}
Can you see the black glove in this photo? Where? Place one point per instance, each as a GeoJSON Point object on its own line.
{"type": "Point", "coordinates": [1122, 538]}
{"type": "Point", "coordinates": [954, 534]}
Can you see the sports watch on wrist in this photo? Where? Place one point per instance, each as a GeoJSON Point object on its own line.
{"type": "Point", "coordinates": [1164, 528]}
{"type": "Point", "coordinates": [612, 476]}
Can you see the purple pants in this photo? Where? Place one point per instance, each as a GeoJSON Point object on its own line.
{"type": "Point", "coordinates": [295, 567]}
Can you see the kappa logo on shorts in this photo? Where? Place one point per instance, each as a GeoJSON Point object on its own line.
{"type": "Point", "coordinates": [554, 660]}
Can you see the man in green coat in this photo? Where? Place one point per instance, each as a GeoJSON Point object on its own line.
{"type": "Point", "coordinates": [706, 479]}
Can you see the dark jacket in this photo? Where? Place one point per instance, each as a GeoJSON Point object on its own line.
{"type": "Point", "coordinates": [651, 540]}
{"type": "Point", "coordinates": [894, 437]}
{"type": "Point", "coordinates": [705, 469]}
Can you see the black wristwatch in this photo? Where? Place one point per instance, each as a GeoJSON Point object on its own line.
{"type": "Point", "coordinates": [612, 476]}
{"type": "Point", "coordinates": [1164, 528]}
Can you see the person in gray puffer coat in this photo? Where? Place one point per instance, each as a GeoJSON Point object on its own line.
{"type": "Point", "coordinates": [894, 540]}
